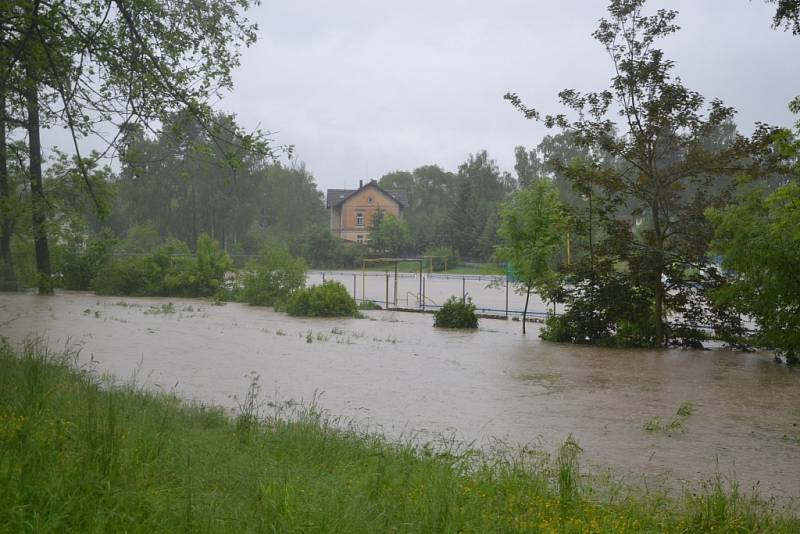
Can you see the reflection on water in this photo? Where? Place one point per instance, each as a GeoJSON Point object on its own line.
{"type": "Point", "coordinates": [396, 372]}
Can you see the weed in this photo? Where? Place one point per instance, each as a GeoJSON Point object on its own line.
{"type": "Point", "coordinates": [337, 331]}
{"type": "Point", "coordinates": [167, 308]}
{"type": "Point", "coordinates": [656, 425]}
{"type": "Point", "coordinates": [280, 332]}
{"type": "Point", "coordinates": [685, 410]}
{"type": "Point", "coordinates": [309, 337]}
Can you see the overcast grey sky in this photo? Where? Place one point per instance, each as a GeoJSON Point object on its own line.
{"type": "Point", "coordinates": [364, 87]}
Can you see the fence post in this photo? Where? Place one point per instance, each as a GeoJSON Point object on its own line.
{"type": "Point", "coordinates": [354, 286]}
{"type": "Point", "coordinates": [423, 294]}
{"type": "Point", "coordinates": [506, 296]}
{"type": "Point", "coordinates": [323, 277]}
{"type": "Point", "coordinates": [386, 304]}
{"type": "Point", "coordinates": [463, 289]}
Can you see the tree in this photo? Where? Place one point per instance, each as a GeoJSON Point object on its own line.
{"type": "Point", "coordinates": [787, 15]}
{"type": "Point", "coordinates": [477, 190]}
{"type": "Point", "coordinates": [532, 225]}
{"type": "Point", "coordinates": [388, 234]}
{"type": "Point", "coordinates": [759, 238]}
{"type": "Point", "coordinates": [659, 169]}
{"type": "Point", "coordinates": [87, 63]}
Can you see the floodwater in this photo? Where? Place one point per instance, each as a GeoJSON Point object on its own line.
{"type": "Point", "coordinates": [396, 373]}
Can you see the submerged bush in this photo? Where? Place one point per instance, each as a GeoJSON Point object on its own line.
{"type": "Point", "coordinates": [273, 278]}
{"type": "Point", "coordinates": [330, 299]}
{"type": "Point", "coordinates": [170, 271]}
{"type": "Point", "coordinates": [456, 313]}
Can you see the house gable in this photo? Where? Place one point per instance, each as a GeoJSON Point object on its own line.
{"type": "Point", "coordinates": [352, 210]}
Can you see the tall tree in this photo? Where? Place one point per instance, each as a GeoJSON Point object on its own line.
{"type": "Point", "coordinates": [663, 169]}
{"type": "Point", "coordinates": [87, 63]}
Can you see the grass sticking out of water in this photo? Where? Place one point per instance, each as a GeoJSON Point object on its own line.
{"type": "Point", "coordinates": [81, 455]}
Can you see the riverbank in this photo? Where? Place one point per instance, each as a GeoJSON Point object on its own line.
{"type": "Point", "coordinates": [80, 453]}
{"type": "Point", "coordinates": [399, 375]}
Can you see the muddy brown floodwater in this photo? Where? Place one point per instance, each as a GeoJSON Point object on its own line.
{"type": "Point", "coordinates": [398, 374]}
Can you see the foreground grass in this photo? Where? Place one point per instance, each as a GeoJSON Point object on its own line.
{"type": "Point", "coordinates": [80, 455]}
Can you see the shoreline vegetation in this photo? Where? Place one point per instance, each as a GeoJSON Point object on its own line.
{"type": "Point", "coordinates": [81, 452]}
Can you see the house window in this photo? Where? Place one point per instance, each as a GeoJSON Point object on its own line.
{"type": "Point", "coordinates": [359, 238]}
{"type": "Point", "coordinates": [369, 200]}
{"type": "Point", "coordinates": [359, 219]}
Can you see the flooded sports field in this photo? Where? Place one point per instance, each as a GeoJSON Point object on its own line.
{"type": "Point", "coordinates": [655, 418]}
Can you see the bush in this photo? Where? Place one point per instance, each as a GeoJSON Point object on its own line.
{"type": "Point", "coordinates": [456, 314]}
{"type": "Point", "coordinates": [77, 263]}
{"type": "Point", "coordinates": [273, 278]}
{"type": "Point", "coordinates": [322, 250]}
{"type": "Point", "coordinates": [330, 299]}
{"type": "Point", "coordinates": [168, 272]}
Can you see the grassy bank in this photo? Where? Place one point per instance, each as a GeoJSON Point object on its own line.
{"type": "Point", "coordinates": [77, 454]}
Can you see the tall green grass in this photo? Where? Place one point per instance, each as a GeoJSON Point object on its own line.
{"type": "Point", "coordinates": [80, 454]}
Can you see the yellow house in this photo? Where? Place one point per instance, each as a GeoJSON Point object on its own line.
{"type": "Point", "coordinates": [351, 210]}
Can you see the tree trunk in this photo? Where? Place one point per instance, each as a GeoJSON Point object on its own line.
{"type": "Point", "coordinates": [525, 311]}
{"type": "Point", "coordinates": [6, 227]}
{"type": "Point", "coordinates": [38, 202]}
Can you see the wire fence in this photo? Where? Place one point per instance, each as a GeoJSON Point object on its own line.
{"type": "Point", "coordinates": [491, 294]}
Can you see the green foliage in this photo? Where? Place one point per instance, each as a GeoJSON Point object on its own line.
{"type": "Point", "coordinates": [140, 239]}
{"type": "Point", "coordinates": [446, 257]}
{"type": "Point", "coordinates": [322, 250]}
{"type": "Point", "coordinates": [330, 299]}
{"type": "Point", "coordinates": [273, 278]}
{"type": "Point", "coordinates": [76, 264]}
{"type": "Point", "coordinates": [455, 313]}
{"type": "Point", "coordinates": [759, 238]}
{"type": "Point", "coordinates": [389, 235]}
{"type": "Point", "coordinates": [645, 184]}
{"type": "Point", "coordinates": [532, 224]}
{"type": "Point", "coordinates": [168, 271]}
{"type": "Point", "coordinates": [194, 189]}
{"type": "Point", "coordinates": [85, 455]}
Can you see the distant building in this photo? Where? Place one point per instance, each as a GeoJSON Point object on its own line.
{"type": "Point", "coordinates": [351, 210]}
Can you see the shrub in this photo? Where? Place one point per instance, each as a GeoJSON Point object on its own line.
{"type": "Point", "coordinates": [555, 329]}
{"type": "Point", "coordinates": [169, 272]}
{"type": "Point", "coordinates": [273, 278]}
{"type": "Point", "coordinates": [330, 299]}
{"type": "Point", "coordinates": [322, 250]}
{"type": "Point", "coordinates": [456, 314]}
{"type": "Point", "coordinates": [78, 263]}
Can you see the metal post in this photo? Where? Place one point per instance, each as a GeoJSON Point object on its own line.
{"type": "Point", "coordinates": [420, 283]}
{"type": "Point", "coordinates": [386, 302]}
{"type": "Point", "coordinates": [506, 296]}
{"type": "Point", "coordinates": [323, 277]}
{"type": "Point", "coordinates": [463, 289]}
{"type": "Point", "coordinates": [423, 294]}
{"type": "Point", "coordinates": [354, 286]}
{"type": "Point", "coordinates": [395, 284]}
